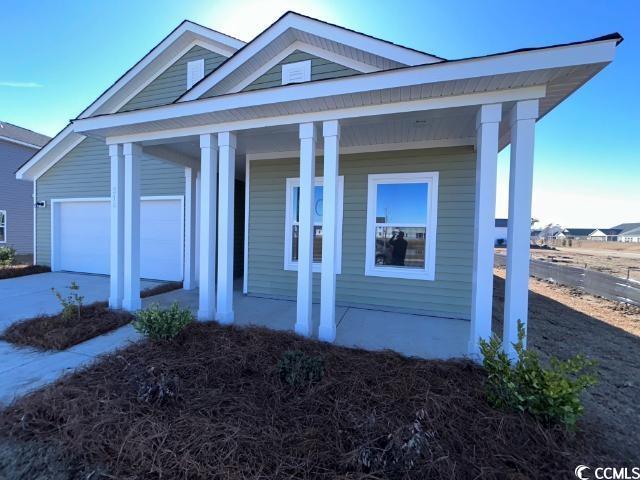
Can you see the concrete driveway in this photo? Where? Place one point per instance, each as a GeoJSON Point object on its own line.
{"type": "Point", "coordinates": [31, 295]}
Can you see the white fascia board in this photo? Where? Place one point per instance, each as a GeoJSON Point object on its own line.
{"type": "Point", "coordinates": [466, 100]}
{"type": "Point", "coordinates": [18, 142]}
{"type": "Point", "coordinates": [360, 41]}
{"type": "Point", "coordinates": [565, 56]}
{"type": "Point", "coordinates": [210, 39]}
{"type": "Point", "coordinates": [310, 49]}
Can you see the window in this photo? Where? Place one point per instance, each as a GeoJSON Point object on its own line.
{"type": "Point", "coordinates": [195, 72]}
{"type": "Point", "coordinates": [292, 224]}
{"type": "Point", "coordinates": [297, 72]}
{"type": "Point", "coordinates": [3, 226]}
{"type": "Point", "coordinates": [401, 225]}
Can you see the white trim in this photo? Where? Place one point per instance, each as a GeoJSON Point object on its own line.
{"type": "Point", "coordinates": [291, 183]}
{"type": "Point", "coordinates": [381, 147]}
{"type": "Point", "coordinates": [431, 223]}
{"type": "Point", "coordinates": [311, 50]}
{"type": "Point", "coordinates": [56, 201]}
{"type": "Point", "coordinates": [245, 263]}
{"type": "Point", "coordinates": [292, 20]}
{"type": "Point", "coordinates": [18, 142]}
{"type": "Point", "coordinates": [199, 107]}
{"type": "Point", "coordinates": [218, 43]}
{"type": "Point", "coordinates": [35, 222]}
{"type": "Point", "coordinates": [4, 226]}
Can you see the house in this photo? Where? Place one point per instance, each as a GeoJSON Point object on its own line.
{"type": "Point", "coordinates": [605, 234]}
{"type": "Point", "coordinates": [367, 173]}
{"type": "Point", "coordinates": [630, 236]}
{"type": "Point", "coordinates": [500, 231]}
{"type": "Point", "coordinates": [17, 145]}
{"type": "Point", "coordinates": [629, 232]}
{"type": "Point", "coordinates": [579, 233]}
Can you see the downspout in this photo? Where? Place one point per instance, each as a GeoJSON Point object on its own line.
{"type": "Point", "coordinates": [35, 229]}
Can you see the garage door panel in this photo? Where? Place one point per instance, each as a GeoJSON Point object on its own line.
{"type": "Point", "coordinates": [83, 237]}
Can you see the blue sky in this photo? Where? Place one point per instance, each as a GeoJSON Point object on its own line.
{"type": "Point", "coordinates": [58, 56]}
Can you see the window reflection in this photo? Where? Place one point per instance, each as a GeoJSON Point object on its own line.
{"type": "Point", "coordinates": [317, 220]}
{"type": "Point", "coordinates": [400, 246]}
{"type": "Point", "coordinates": [317, 243]}
{"type": "Point", "coordinates": [401, 203]}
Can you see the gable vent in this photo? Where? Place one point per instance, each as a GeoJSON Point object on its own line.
{"type": "Point", "coordinates": [195, 72]}
{"type": "Point", "coordinates": [296, 72]}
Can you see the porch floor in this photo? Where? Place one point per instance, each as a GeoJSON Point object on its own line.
{"type": "Point", "coordinates": [411, 335]}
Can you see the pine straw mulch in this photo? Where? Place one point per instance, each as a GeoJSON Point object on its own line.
{"type": "Point", "coordinates": [21, 270]}
{"type": "Point", "coordinates": [54, 332]}
{"type": "Point", "coordinates": [211, 405]}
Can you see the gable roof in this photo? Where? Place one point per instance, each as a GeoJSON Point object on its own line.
{"type": "Point", "coordinates": [610, 231]}
{"type": "Point", "coordinates": [149, 67]}
{"type": "Point", "coordinates": [294, 27]}
{"type": "Point", "coordinates": [21, 136]}
{"type": "Point", "coordinates": [625, 227]}
{"type": "Point", "coordinates": [632, 232]}
{"type": "Point", "coordinates": [581, 232]}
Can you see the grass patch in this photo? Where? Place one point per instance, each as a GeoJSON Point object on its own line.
{"type": "Point", "coordinates": [55, 332]}
{"type": "Point", "coordinates": [211, 404]}
{"type": "Point", "coordinates": [13, 271]}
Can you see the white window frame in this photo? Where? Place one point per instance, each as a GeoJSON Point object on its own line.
{"type": "Point", "coordinates": [3, 226]}
{"type": "Point", "coordinates": [431, 222]}
{"type": "Point", "coordinates": [290, 264]}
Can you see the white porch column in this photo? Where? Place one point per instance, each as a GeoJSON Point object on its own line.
{"type": "Point", "coordinates": [116, 258]}
{"type": "Point", "coordinates": [132, 157]}
{"type": "Point", "coordinates": [197, 242]}
{"type": "Point", "coordinates": [207, 245]}
{"type": "Point", "coordinates": [189, 280]}
{"type": "Point", "coordinates": [516, 299]}
{"type": "Point", "coordinates": [227, 176]}
{"type": "Point", "coordinates": [487, 130]}
{"type": "Point", "coordinates": [305, 232]}
{"type": "Point", "coordinates": [331, 134]}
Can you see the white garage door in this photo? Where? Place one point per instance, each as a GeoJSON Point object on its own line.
{"type": "Point", "coordinates": [82, 237]}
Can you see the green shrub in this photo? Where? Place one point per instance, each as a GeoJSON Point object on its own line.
{"type": "Point", "coordinates": [298, 369]}
{"type": "Point", "coordinates": [7, 256]}
{"type": "Point", "coordinates": [162, 324]}
{"type": "Point", "coordinates": [550, 394]}
{"type": "Point", "coordinates": [72, 303]}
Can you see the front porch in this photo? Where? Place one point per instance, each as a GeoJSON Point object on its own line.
{"type": "Point", "coordinates": [409, 334]}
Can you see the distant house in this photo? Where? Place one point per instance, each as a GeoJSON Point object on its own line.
{"type": "Point", "coordinates": [605, 234]}
{"type": "Point", "coordinates": [501, 231]}
{"type": "Point", "coordinates": [629, 232]}
{"type": "Point", "coordinates": [630, 236]}
{"type": "Point", "coordinates": [17, 145]}
{"type": "Point", "coordinates": [579, 233]}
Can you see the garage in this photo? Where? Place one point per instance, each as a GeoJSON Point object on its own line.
{"type": "Point", "coordinates": [81, 236]}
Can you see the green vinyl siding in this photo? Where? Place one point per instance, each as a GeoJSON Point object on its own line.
{"type": "Point", "coordinates": [172, 83]}
{"type": "Point", "coordinates": [85, 172]}
{"type": "Point", "coordinates": [448, 295]}
{"type": "Point", "coordinates": [320, 69]}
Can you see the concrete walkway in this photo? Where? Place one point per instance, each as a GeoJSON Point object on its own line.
{"type": "Point", "coordinates": [31, 295]}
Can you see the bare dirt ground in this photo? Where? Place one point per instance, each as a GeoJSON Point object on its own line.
{"type": "Point", "coordinates": [563, 322]}
{"type": "Point", "coordinates": [613, 262]}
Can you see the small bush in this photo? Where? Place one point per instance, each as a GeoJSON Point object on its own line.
{"type": "Point", "coordinates": [298, 369]}
{"type": "Point", "coordinates": [159, 324]}
{"type": "Point", "coordinates": [7, 256]}
{"type": "Point", "coordinates": [72, 303]}
{"type": "Point", "coordinates": [158, 388]}
{"type": "Point", "coordinates": [550, 394]}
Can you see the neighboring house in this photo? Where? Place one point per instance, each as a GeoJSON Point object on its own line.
{"type": "Point", "coordinates": [605, 234]}
{"type": "Point", "coordinates": [17, 145]}
{"type": "Point", "coordinates": [579, 233]}
{"type": "Point", "coordinates": [630, 236]}
{"type": "Point", "coordinates": [341, 168]}
{"type": "Point", "coordinates": [551, 232]}
{"type": "Point", "coordinates": [629, 232]}
{"type": "Point", "coordinates": [501, 231]}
